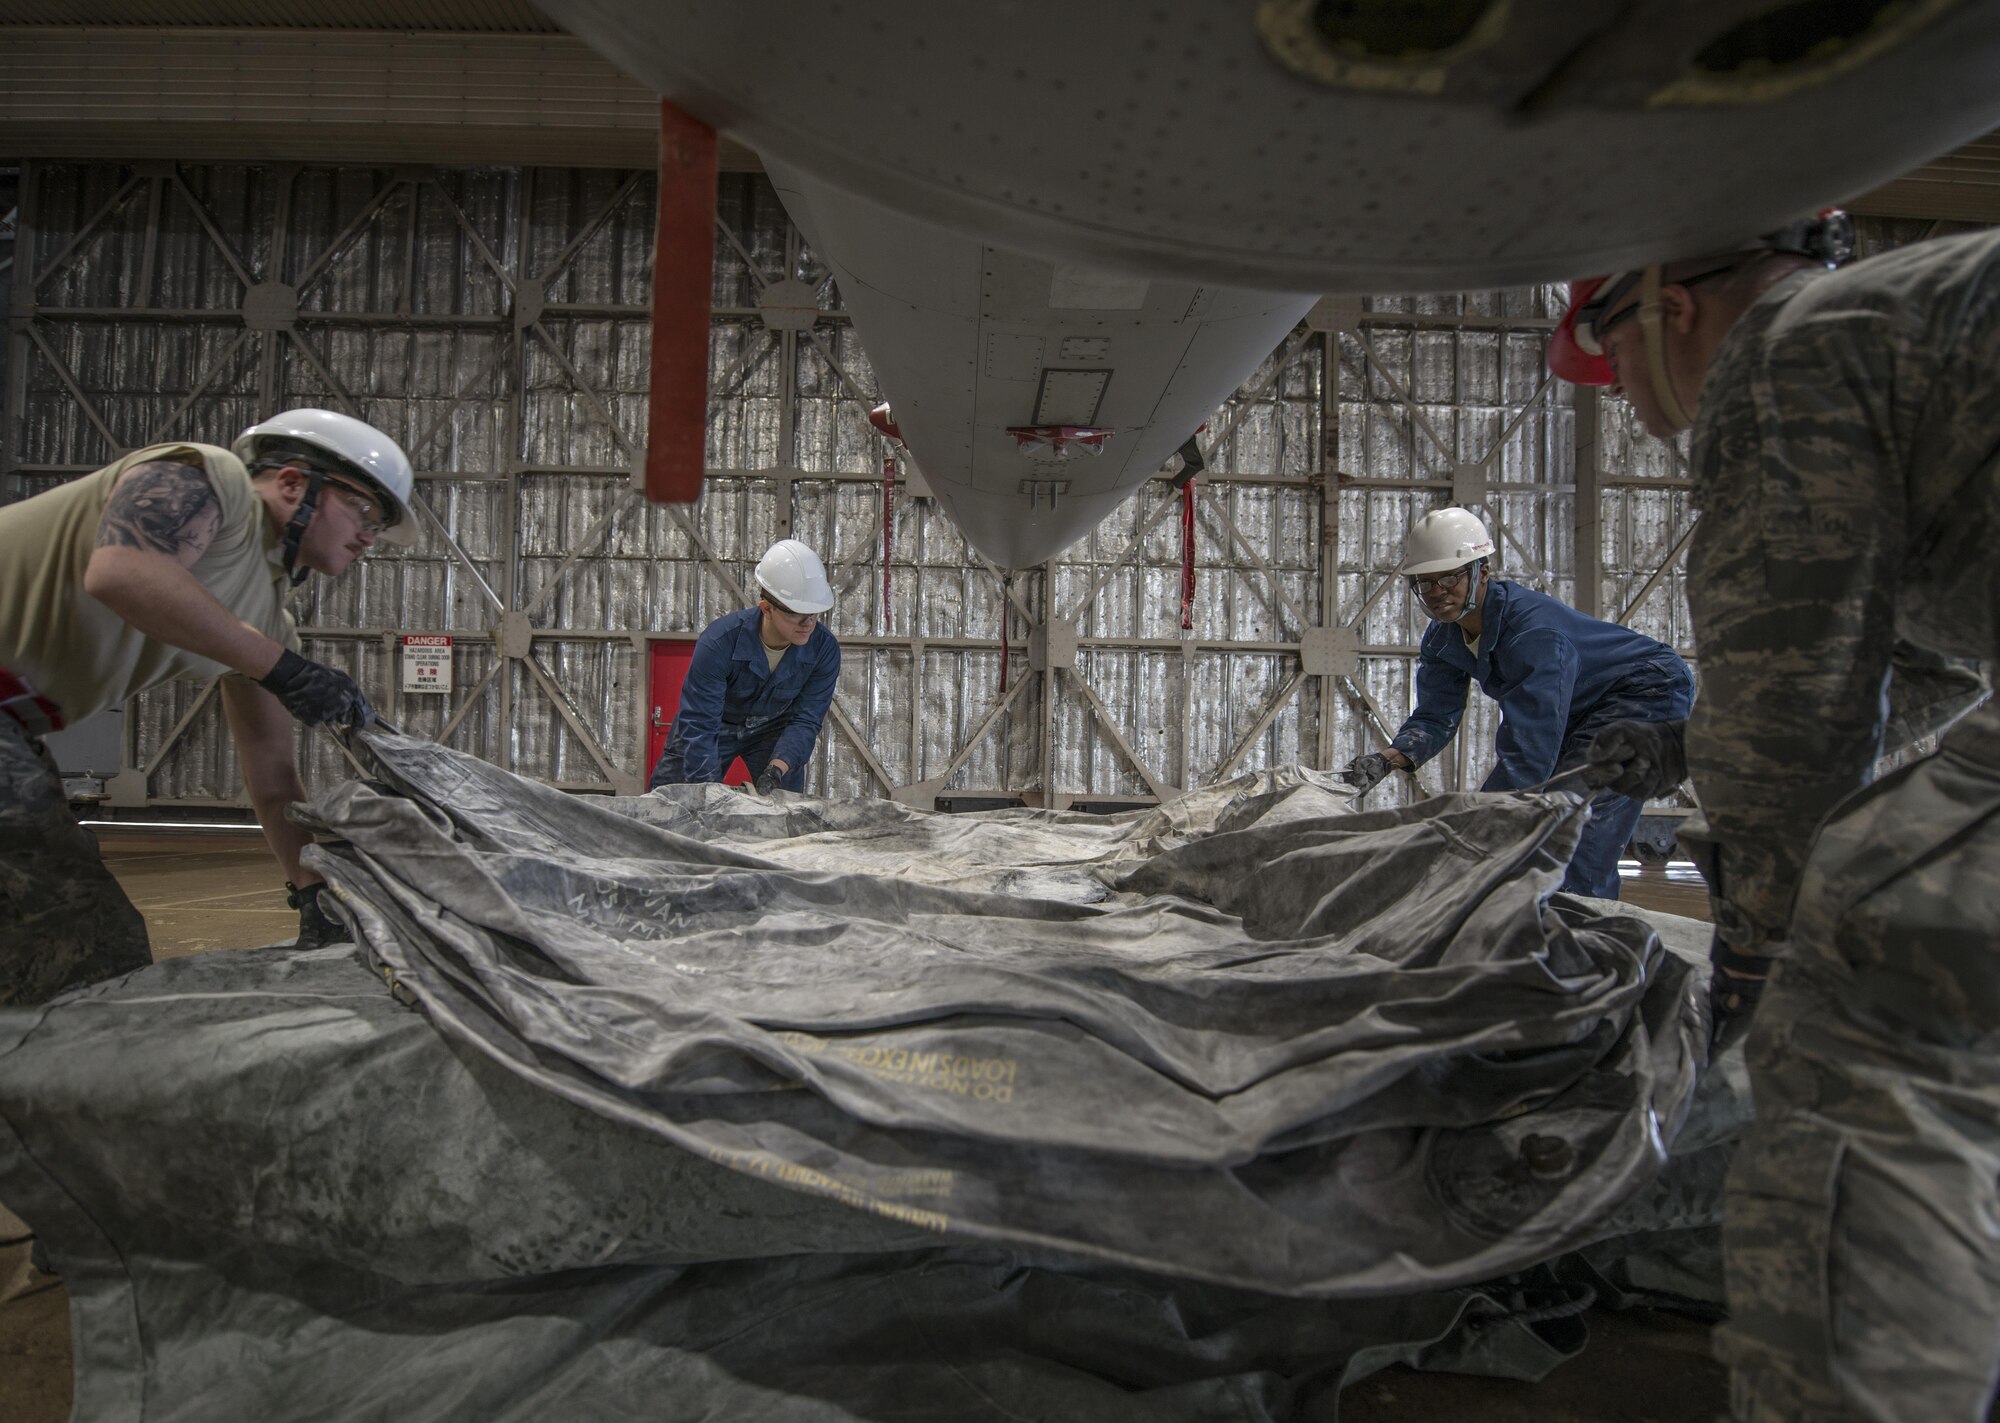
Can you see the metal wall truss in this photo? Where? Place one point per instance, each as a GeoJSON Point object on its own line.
{"type": "Point", "coordinates": [495, 320]}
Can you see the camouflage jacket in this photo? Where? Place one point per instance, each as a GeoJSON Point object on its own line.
{"type": "Point", "coordinates": [1847, 470]}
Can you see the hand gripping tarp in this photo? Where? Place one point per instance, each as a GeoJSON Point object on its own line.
{"type": "Point", "coordinates": [1252, 1041]}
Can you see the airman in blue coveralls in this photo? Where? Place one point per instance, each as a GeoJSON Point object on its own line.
{"type": "Point", "coordinates": [760, 682]}
{"type": "Point", "coordinates": [1561, 677]}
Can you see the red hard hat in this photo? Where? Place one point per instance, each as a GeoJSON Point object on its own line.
{"type": "Point", "coordinates": [1568, 360]}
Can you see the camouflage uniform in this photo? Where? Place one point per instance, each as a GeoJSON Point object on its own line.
{"type": "Point", "coordinates": [63, 919]}
{"type": "Point", "coordinates": [1847, 466]}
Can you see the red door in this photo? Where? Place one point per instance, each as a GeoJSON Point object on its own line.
{"type": "Point", "coordinates": [670, 658]}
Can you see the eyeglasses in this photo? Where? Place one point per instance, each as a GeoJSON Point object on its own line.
{"type": "Point", "coordinates": [365, 507]}
{"type": "Point", "coordinates": [1441, 582]}
{"type": "Point", "coordinates": [777, 607]}
{"type": "Point", "coordinates": [1600, 324]}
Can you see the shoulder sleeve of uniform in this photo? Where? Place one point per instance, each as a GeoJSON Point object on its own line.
{"type": "Point", "coordinates": [235, 493]}
{"type": "Point", "coordinates": [201, 457]}
{"type": "Point", "coordinates": [234, 488]}
{"type": "Point", "coordinates": [1534, 712]}
{"type": "Point", "coordinates": [720, 635]}
{"type": "Point", "coordinates": [1792, 576]}
{"type": "Point", "coordinates": [1441, 692]}
{"type": "Point", "coordinates": [808, 712]}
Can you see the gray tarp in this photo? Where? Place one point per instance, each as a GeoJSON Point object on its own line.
{"type": "Point", "coordinates": [1253, 1039]}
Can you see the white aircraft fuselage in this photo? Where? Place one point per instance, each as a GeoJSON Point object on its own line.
{"type": "Point", "coordinates": [989, 356]}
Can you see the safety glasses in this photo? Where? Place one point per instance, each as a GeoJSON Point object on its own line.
{"type": "Point", "coordinates": [777, 607]}
{"type": "Point", "coordinates": [1427, 584]}
{"type": "Point", "coordinates": [1592, 325]}
{"type": "Point", "coordinates": [366, 507]}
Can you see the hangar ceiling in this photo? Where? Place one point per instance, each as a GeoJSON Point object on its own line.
{"type": "Point", "coordinates": [436, 81]}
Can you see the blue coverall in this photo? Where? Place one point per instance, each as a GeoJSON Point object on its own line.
{"type": "Point", "coordinates": [1560, 676]}
{"type": "Point", "coordinates": [733, 703]}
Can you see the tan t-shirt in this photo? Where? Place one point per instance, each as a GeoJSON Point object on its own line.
{"type": "Point", "coordinates": [77, 652]}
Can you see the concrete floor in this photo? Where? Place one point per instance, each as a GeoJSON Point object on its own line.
{"type": "Point", "coordinates": [218, 892]}
{"type": "Point", "coordinates": [206, 893]}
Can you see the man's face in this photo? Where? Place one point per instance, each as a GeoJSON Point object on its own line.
{"type": "Point", "coordinates": [1623, 338]}
{"type": "Point", "coordinates": [795, 628]}
{"type": "Point", "coordinates": [1631, 371]}
{"type": "Point", "coordinates": [1444, 595]}
{"type": "Point", "coordinates": [345, 525]}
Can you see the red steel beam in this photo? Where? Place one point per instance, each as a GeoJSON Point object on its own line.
{"type": "Point", "coordinates": [683, 279]}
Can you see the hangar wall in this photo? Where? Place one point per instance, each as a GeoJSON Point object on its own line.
{"type": "Point", "coordinates": [495, 321]}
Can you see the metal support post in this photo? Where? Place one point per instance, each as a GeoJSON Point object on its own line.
{"type": "Point", "coordinates": [21, 296]}
{"type": "Point", "coordinates": [788, 384]}
{"type": "Point", "coordinates": [1050, 799]}
{"type": "Point", "coordinates": [1329, 528]}
{"type": "Point", "coordinates": [1589, 505]}
{"type": "Point", "coordinates": [516, 456]}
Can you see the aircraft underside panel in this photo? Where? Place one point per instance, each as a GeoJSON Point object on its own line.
{"type": "Point", "coordinates": [1291, 145]}
{"type": "Point", "coordinates": [1034, 395]}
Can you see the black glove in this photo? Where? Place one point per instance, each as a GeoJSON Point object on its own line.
{"type": "Point", "coordinates": [1641, 759]}
{"type": "Point", "coordinates": [317, 925]}
{"type": "Point", "coordinates": [315, 693]}
{"type": "Point", "coordinates": [1736, 982]}
{"type": "Point", "coordinates": [1365, 773]}
{"type": "Point", "coordinates": [768, 778]}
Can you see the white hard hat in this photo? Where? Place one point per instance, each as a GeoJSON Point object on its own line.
{"type": "Point", "coordinates": [359, 451]}
{"type": "Point", "coordinates": [793, 575]}
{"type": "Point", "coordinates": [1445, 539]}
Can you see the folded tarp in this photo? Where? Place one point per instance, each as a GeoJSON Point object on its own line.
{"type": "Point", "coordinates": [801, 1109]}
{"type": "Point", "coordinates": [1264, 1040]}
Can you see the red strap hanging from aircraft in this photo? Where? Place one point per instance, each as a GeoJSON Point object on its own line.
{"type": "Point", "coordinates": [1187, 556]}
{"type": "Point", "coordinates": [888, 534]}
{"type": "Point", "coordinates": [683, 283]}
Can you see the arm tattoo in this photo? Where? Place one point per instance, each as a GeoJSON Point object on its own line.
{"type": "Point", "coordinates": [162, 506]}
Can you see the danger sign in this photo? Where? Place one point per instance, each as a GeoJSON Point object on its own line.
{"type": "Point", "coordinates": [426, 662]}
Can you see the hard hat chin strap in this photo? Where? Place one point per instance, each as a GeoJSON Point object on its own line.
{"type": "Point", "coordinates": [295, 527]}
{"type": "Point", "coordinates": [1473, 598]}
{"type": "Point", "coordinates": [1651, 323]}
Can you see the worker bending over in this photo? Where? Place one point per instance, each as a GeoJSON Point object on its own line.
{"type": "Point", "coordinates": [175, 561]}
{"type": "Point", "coordinates": [1561, 677]}
{"type": "Point", "coordinates": [760, 681]}
{"type": "Point", "coordinates": [1846, 463]}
